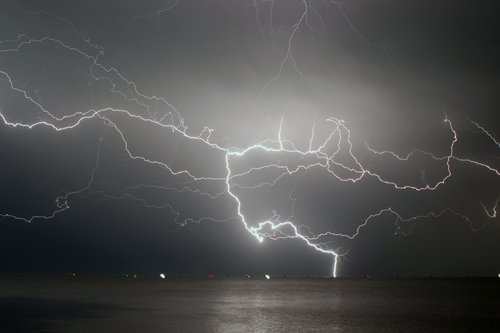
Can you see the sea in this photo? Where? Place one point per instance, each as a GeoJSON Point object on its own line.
{"type": "Point", "coordinates": [153, 304]}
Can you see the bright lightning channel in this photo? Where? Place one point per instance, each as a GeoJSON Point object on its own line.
{"type": "Point", "coordinates": [273, 228]}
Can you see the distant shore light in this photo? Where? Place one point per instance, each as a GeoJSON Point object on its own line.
{"type": "Point", "coordinates": [162, 276]}
{"type": "Point", "coordinates": [267, 277]}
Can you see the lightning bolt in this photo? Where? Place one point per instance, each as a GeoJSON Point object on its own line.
{"type": "Point", "coordinates": [320, 154]}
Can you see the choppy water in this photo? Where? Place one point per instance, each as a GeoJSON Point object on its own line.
{"type": "Point", "coordinates": [233, 305]}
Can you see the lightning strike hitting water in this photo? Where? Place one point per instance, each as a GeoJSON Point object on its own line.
{"type": "Point", "coordinates": [324, 155]}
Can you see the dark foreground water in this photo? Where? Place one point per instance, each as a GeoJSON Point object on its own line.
{"type": "Point", "coordinates": [233, 305]}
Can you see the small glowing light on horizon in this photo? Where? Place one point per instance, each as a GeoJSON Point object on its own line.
{"type": "Point", "coordinates": [267, 277]}
{"type": "Point", "coordinates": [162, 276]}
{"type": "Point", "coordinates": [499, 275]}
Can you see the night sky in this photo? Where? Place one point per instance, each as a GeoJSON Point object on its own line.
{"type": "Point", "coordinates": [118, 118]}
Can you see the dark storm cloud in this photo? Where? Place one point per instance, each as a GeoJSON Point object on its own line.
{"type": "Point", "coordinates": [391, 70]}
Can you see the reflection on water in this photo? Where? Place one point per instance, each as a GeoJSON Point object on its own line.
{"type": "Point", "coordinates": [231, 305]}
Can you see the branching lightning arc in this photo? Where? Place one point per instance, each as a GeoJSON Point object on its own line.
{"type": "Point", "coordinates": [321, 154]}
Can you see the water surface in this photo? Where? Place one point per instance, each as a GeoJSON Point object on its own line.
{"type": "Point", "coordinates": [249, 305]}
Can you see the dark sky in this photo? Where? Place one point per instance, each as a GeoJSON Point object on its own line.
{"type": "Point", "coordinates": [393, 71]}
